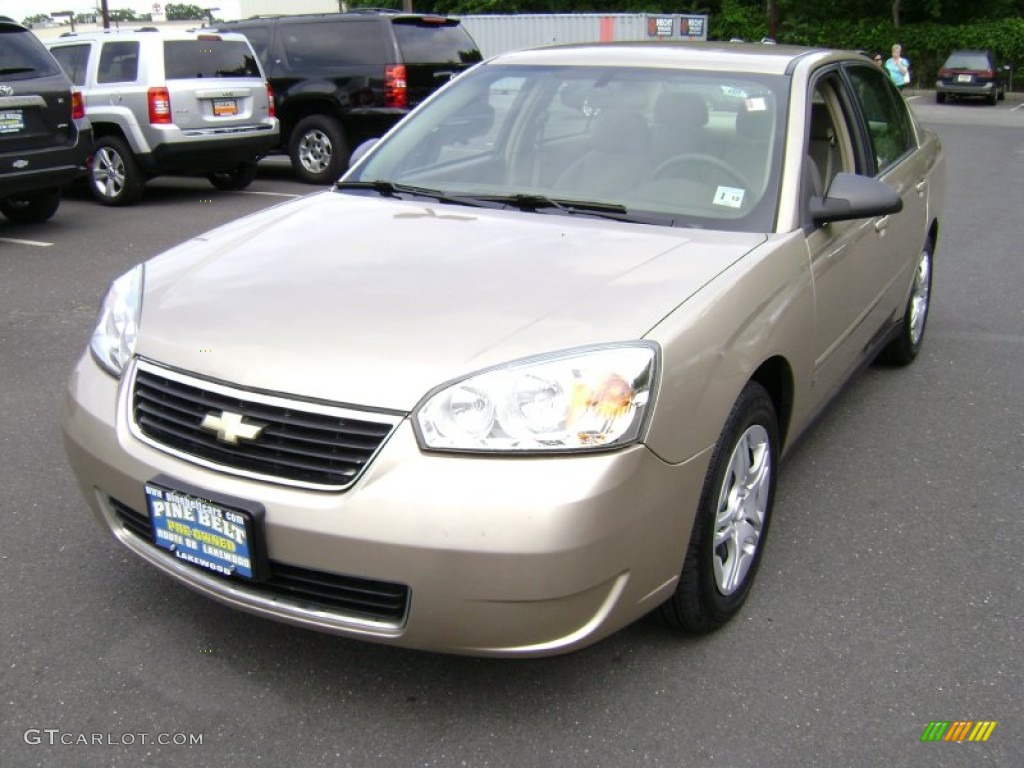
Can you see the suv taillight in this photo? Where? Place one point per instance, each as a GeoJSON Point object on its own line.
{"type": "Point", "coordinates": [77, 105]}
{"type": "Point", "coordinates": [271, 107]}
{"type": "Point", "coordinates": [944, 73]}
{"type": "Point", "coordinates": [159, 106]}
{"type": "Point", "coordinates": [988, 73]}
{"type": "Point", "coordinates": [395, 92]}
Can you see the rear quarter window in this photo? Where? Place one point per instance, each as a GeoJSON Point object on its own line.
{"type": "Point", "coordinates": [324, 46]}
{"type": "Point", "coordinates": [187, 59]}
{"type": "Point", "coordinates": [424, 42]}
{"type": "Point", "coordinates": [119, 63]}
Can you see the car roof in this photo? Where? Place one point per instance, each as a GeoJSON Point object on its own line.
{"type": "Point", "coordinates": [716, 56]}
{"type": "Point", "coordinates": [146, 34]}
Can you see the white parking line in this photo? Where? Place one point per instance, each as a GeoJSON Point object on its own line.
{"type": "Point", "coordinates": [1019, 106]}
{"type": "Point", "coordinates": [268, 194]}
{"type": "Point", "coordinates": [25, 242]}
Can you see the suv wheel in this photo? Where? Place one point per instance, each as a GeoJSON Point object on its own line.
{"type": "Point", "coordinates": [31, 208]}
{"type": "Point", "coordinates": [318, 150]}
{"type": "Point", "coordinates": [239, 177]}
{"type": "Point", "coordinates": [116, 178]}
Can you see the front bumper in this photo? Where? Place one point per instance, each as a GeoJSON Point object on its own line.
{"type": "Point", "coordinates": [499, 556]}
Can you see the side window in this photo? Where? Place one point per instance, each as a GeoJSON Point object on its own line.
{"type": "Point", "coordinates": [325, 46]}
{"type": "Point", "coordinates": [73, 60]}
{"type": "Point", "coordinates": [889, 124]}
{"type": "Point", "coordinates": [119, 63]}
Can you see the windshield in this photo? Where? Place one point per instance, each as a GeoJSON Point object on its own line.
{"type": "Point", "coordinates": [660, 146]}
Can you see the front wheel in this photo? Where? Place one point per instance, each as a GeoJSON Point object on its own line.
{"type": "Point", "coordinates": [731, 524]}
{"type": "Point", "coordinates": [318, 150]}
{"type": "Point", "coordinates": [32, 207]}
{"type": "Point", "coordinates": [234, 179]}
{"type": "Point", "coordinates": [903, 349]}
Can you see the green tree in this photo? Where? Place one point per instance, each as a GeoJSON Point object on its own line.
{"type": "Point", "coordinates": [123, 14]}
{"type": "Point", "coordinates": [39, 18]}
{"type": "Point", "coordinates": [176, 12]}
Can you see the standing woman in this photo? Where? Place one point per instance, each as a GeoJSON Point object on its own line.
{"type": "Point", "coordinates": [898, 68]}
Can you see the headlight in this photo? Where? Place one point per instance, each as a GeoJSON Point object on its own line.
{"type": "Point", "coordinates": [583, 399]}
{"type": "Point", "coordinates": [113, 341]}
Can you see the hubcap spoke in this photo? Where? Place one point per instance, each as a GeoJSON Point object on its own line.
{"type": "Point", "coordinates": [742, 506]}
{"type": "Point", "coordinates": [920, 297]}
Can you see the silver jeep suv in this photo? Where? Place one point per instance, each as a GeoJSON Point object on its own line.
{"type": "Point", "coordinates": [169, 103]}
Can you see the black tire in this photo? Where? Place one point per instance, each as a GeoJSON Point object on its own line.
{"type": "Point", "coordinates": [940, 98]}
{"type": "Point", "coordinates": [903, 349]}
{"type": "Point", "coordinates": [234, 179]}
{"type": "Point", "coordinates": [31, 207]}
{"type": "Point", "coordinates": [1002, 95]}
{"type": "Point", "coordinates": [115, 177]}
{"type": "Point", "coordinates": [318, 150]}
{"type": "Point", "coordinates": [994, 98]}
{"type": "Point", "coordinates": [715, 581]}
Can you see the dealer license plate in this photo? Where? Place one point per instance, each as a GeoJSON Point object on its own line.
{"type": "Point", "coordinates": [225, 107]}
{"type": "Point", "coordinates": [12, 121]}
{"type": "Point", "coordinates": [218, 537]}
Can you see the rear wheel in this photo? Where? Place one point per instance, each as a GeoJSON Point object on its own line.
{"type": "Point", "coordinates": [115, 177]}
{"type": "Point", "coordinates": [731, 524]}
{"type": "Point", "coordinates": [318, 150]}
{"type": "Point", "coordinates": [904, 348]}
{"type": "Point", "coordinates": [940, 98]}
{"type": "Point", "coordinates": [32, 207]}
{"type": "Point", "coordinates": [239, 177]}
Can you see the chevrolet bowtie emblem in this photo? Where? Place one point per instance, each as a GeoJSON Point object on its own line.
{"type": "Point", "coordinates": [230, 427]}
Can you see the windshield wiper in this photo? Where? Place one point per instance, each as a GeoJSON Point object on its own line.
{"type": "Point", "coordinates": [392, 189]}
{"type": "Point", "coordinates": [529, 202]}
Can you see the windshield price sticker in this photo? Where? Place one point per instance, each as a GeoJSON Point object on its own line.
{"type": "Point", "coordinates": [202, 532]}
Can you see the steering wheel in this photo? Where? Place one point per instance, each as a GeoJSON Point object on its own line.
{"type": "Point", "coordinates": [688, 160]}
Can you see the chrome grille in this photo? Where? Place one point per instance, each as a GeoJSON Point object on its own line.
{"type": "Point", "coordinates": [301, 443]}
{"type": "Point", "coordinates": [349, 596]}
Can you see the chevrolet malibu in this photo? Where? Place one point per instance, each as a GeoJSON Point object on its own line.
{"type": "Point", "coordinates": [526, 372]}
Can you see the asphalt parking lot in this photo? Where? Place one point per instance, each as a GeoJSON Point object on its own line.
{"type": "Point", "coordinates": [889, 597]}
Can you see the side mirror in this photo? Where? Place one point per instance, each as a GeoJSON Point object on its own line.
{"type": "Point", "coordinates": [854, 197]}
{"type": "Point", "coordinates": [361, 150]}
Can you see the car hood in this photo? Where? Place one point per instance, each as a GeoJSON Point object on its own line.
{"type": "Point", "coordinates": [373, 301]}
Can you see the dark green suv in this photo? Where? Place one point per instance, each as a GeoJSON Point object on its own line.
{"type": "Point", "coordinates": [341, 78]}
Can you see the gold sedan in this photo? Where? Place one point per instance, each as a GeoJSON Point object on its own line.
{"type": "Point", "coordinates": [526, 373]}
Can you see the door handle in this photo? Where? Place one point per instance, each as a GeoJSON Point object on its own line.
{"type": "Point", "coordinates": [921, 186]}
{"type": "Point", "coordinates": [881, 224]}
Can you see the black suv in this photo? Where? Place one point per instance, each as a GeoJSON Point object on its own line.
{"type": "Point", "coordinates": [341, 78]}
{"type": "Point", "coordinates": [44, 135]}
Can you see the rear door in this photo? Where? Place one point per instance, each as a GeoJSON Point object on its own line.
{"type": "Point", "coordinates": [434, 49]}
{"type": "Point", "coordinates": [35, 94]}
{"type": "Point", "coordinates": [214, 83]}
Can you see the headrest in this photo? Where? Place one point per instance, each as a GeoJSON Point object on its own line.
{"type": "Point", "coordinates": [622, 132]}
{"type": "Point", "coordinates": [755, 125]}
{"type": "Point", "coordinates": [682, 110]}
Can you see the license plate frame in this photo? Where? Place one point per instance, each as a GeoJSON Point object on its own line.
{"type": "Point", "coordinates": [225, 107]}
{"type": "Point", "coordinates": [220, 534]}
{"type": "Point", "coordinates": [12, 121]}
